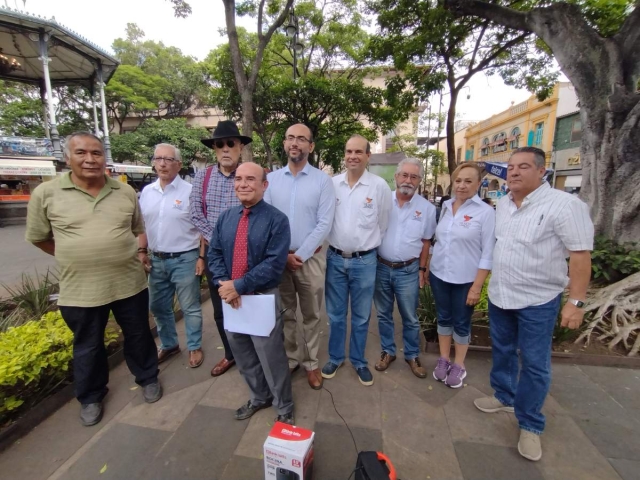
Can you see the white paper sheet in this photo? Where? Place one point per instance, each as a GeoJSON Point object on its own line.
{"type": "Point", "coordinates": [256, 315]}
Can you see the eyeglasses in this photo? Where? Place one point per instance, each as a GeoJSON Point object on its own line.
{"type": "Point", "coordinates": [291, 139]}
{"type": "Point", "coordinates": [406, 176]}
{"type": "Point", "coordinates": [168, 160]}
{"type": "Point", "coordinates": [230, 143]}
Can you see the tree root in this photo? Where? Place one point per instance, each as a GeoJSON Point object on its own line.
{"type": "Point", "coordinates": [614, 313]}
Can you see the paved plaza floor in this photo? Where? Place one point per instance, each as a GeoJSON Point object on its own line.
{"type": "Point", "coordinates": [428, 430]}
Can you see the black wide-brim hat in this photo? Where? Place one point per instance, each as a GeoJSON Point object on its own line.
{"type": "Point", "coordinates": [226, 129]}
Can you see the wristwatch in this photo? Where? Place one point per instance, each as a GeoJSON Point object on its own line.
{"type": "Point", "coordinates": [422, 269]}
{"type": "Point", "coordinates": [577, 303]}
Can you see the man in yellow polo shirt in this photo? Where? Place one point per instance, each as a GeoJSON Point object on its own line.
{"type": "Point", "coordinates": [89, 222]}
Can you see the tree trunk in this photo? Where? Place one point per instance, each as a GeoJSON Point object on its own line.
{"type": "Point", "coordinates": [451, 132]}
{"type": "Point", "coordinates": [604, 72]}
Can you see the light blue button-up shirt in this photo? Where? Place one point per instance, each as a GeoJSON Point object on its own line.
{"type": "Point", "coordinates": [309, 201]}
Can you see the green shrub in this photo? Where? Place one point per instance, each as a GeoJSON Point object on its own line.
{"type": "Point", "coordinates": [29, 300]}
{"type": "Point", "coordinates": [611, 262]}
{"type": "Point", "coordinates": [35, 358]}
{"type": "Point", "coordinates": [427, 315]}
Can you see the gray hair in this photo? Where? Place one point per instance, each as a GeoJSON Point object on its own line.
{"type": "Point", "coordinates": [538, 155]}
{"type": "Point", "coordinates": [176, 150]}
{"type": "Point", "coordinates": [67, 141]}
{"type": "Point", "coordinates": [411, 161]}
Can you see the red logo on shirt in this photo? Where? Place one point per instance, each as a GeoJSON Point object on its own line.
{"type": "Point", "coordinates": [418, 213]}
{"type": "Point", "coordinates": [369, 200]}
{"type": "Point", "coordinates": [467, 218]}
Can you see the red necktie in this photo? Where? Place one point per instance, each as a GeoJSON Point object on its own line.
{"type": "Point", "coordinates": [241, 247]}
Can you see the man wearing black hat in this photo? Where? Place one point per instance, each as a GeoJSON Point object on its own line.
{"type": "Point", "coordinates": [213, 193]}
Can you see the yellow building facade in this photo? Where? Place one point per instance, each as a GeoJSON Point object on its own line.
{"type": "Point", "coordinates": [530, 123]}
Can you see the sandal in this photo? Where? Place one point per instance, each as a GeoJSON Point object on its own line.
{"type": "Point", "coordinates": [196, 357]}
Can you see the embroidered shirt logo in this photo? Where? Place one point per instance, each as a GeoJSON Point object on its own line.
{"type": "Point", "coordinates": [417, 215]}
{"type": "Point", "coordinates": [467, 218]}
{"type": "Point", "coordinates": [368, 202]}
{"type": "Point", "coordinates": [177, 203]}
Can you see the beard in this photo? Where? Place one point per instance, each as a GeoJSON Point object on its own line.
{"type": "Point", "coordinates": [406, 188]}
{"type": "Point", "coordinates": [298, 158]}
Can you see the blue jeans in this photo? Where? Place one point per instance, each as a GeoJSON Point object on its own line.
{"type": "Point", "coordinates": [168, 277]}
{"type": "Point", "coordinates": [355, 278]}
{"type": "Point", "coordinates": [404, 284]}
{"type": "Point", "coordinates": [530, 330]}
{"type": "Point", "coordinates": [454, 315]}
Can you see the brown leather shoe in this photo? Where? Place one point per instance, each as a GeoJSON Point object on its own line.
{"type": "Point", "coordinates": [315, 379]}
{"type": "Point", "coordinates": [164, 354]}
{"type": "Point", "coordinates": [385, 361]}
{"type": "Point", "coordinates": [416, 368]}
{"type": "Point", "coordinates": [196, 357]}
{"type": "Point", "coordinates": [222, 366]}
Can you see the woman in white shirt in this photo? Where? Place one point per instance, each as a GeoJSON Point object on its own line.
{"type": "Point", "coordinates": [461, 261]}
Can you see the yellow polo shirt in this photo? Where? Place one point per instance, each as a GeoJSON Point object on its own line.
{"type": "Point", "coordinates": [95, 238]}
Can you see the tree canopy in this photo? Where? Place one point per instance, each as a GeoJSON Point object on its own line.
{"type": "Point", "coordinates": [595, 42]}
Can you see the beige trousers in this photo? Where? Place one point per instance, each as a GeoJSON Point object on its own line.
{"type": "Point", "coordinates": [307, 285]}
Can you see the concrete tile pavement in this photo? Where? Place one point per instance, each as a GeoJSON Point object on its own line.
{"type": "Point", "coordinates": [427, 429]}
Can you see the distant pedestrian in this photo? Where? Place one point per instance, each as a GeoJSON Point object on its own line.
{"type": "Point", "coordinates": [402, 260]}
{"type": "Point", "coordinates": [89, 222]}
{"type": "Point", "coordinates": [537, 227]}
{"type": "Point", "coordinates": [247, 255]}
{"type": "Point", "coordinates": [363, 202]}
{"type": "Point", "coordinates": [462, 259]}
{"type": "Point", "coordinates": [213, 193]}
{"type": "Point", "coordinates": [175, 261]}
{"type": "Point", "coordinates": [306, 195]}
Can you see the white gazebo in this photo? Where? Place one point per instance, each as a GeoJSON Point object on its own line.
{"type": "Point", "coordinates": [42, 52]}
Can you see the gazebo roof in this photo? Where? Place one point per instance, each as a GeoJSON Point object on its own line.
{"type": "Point", "coordinates": [73, 58]}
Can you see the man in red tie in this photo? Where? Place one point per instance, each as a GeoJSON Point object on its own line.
{"type": "Point", "coordinates": [247, 255]}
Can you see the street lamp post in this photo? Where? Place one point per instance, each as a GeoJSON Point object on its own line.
{"type": "Point", "coordinates": [293, 33]}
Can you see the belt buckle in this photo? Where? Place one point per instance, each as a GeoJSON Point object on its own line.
{"type": "Point", "coordinates": [346, 254]}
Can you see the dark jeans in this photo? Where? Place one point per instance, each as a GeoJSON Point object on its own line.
{"type": "Point", "coordinates": [90, 365]}
{"type": "Point", "coordinates": [454, 315]}
{"type": "Point", "coordinates": [216, 301]}
{"type": "Point", "coordinates": [530, 330]}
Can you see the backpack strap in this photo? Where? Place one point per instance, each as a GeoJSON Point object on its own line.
{"type": "Point", "coordinates": [205, 188]}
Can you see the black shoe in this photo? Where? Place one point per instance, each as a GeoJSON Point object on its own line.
{"type": "Point", "coordinates": [91, 413]}
{"type": "Point", "coordinates": [287, 418]}
{"type": "Point", "coordinates": [247, 411]}
{"type": "Point", "coordinates": [152, 392]}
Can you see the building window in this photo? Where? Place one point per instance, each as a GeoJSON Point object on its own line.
{"type": "Point", "coordinates": [500, 142]}
{"type": "Point", "coordinates": [515, 138]}
{"type": "Point", "coordinates": [485, 147]}
{"type": "Point", "coordinates": [459, 155]}
{"type": "Point", "coordinates": [576, 130]}
{"type": "Point", "coordinates": [537, 138]}
{"type": "Point", "coordinates": [471, 153]}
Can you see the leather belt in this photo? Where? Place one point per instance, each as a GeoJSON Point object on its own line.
{"type": "Point", "coordinates": [344, 254]}
{"type": "Point", "coordinates": [317, 250]}
{"type": "Point", "coordinates": [395, 264]}
{"type": "Point", "coordinates": [165, 255]}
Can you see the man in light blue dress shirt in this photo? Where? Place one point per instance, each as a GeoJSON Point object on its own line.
{"type": "Point", "coordinates": [306, 195]}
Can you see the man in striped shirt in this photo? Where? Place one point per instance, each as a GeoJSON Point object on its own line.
{"type": "Point", "coordinates": [213, 193]}
{"type": "Point", "coordinates": [90, 222]}
{"type": "Point", "coordinates": [537, 228]}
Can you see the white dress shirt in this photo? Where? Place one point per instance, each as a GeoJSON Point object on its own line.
{"type": "Point", "coordinates": [464, 241]}
{"type": "Point", "coordinates": [166, 217]}
{"type": "Point", "coordinates": [533, 243]}
{"type": "Point", "coordinates": [362, 213]}
{"type": "Point", "coordinates": [408, 226]}
{"type": "Point", "coordinates": [308, 200]}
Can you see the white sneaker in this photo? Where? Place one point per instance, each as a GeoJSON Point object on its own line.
{"type": "Point", "coordinates": [529, 446]}
{"type": "Point", "coordinates": [491, 405]}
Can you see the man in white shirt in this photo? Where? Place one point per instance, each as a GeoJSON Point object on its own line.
{"type": "Point", "coordinates": [537, 227]}
{"type": "Point", "coordinates": [175, 262]}
{"type": "Point", "coordinates": [363, 202]}
{"type": "Point", "coordinates": [402, 259]}
{"type": "Point", "coordinates": [306, 195]}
